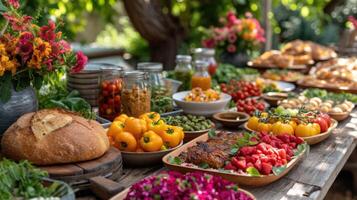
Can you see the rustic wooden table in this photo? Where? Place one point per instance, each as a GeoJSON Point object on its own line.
{"type": "Point", "coordinates": [310, 179]}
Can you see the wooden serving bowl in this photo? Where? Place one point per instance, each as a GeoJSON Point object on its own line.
{"type": "Point", "coordinates": [125, 192]}
{"type": "Point", "coordinates": [190, 135]}
{"type": "Point", "coordinates": [241, 179]}
{"type": "Point", "coordinates": [273, 98]}
{"type": "Point", "coordinates": [339, 116]}
{"type": "Point", "coordinates": [143, 159]}
{"type": "Point", "coordinates": [312, 139]}
{"type": "Point", "coordinates": [231, 118]}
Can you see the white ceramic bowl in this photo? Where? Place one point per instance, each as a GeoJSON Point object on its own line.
{"type": "Point", "coordinates": [201, 108]}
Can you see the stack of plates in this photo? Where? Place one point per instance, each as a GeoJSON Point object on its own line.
{"type": "Point", "coordinates": [86, 82]}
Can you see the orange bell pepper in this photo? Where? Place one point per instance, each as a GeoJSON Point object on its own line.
{"type": "Point", "coordinates": [151, 141]}
{"type": "Point", "coordinates": [125, 141]}
{"type": "Point", "coordinates": [135, 126]}
{"type": "Point", "coordinates": [115, 128]}
{"type": "Point", "coordinates": [158, 127]}
{"type": "Point", "coordinates": [172, 136]}
{"type": "Point", "coordinates": [150, 117]}
{"type": "Point", "coordinates": [121, 118]}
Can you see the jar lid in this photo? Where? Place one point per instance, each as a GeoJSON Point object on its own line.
{"type": "Point", "coordinates": [149, 66]}
{"type": "Point", "coordinates": [183, 58]}
{"type": "Point", "coordinates": [107, 67]}
{"type": "Point", "coordinates": [204, 51]}
{"type": "Point", "coordinates": [201, 64]}
{"type": "Point", "coordinates": [134, 74]}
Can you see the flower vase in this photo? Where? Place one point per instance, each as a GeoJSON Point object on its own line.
{"type": "Point", "coordinates": [239, 59]}
{"type": "Point", "coordinates": [21, 102]}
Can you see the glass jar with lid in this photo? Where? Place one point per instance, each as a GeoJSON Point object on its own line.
{"type": "Point", "coordinates": [201, 78]}
{"type": "Point", "coordinates": [154, 71]}
{"type": "Point", "coordinates": [206, 54]}
{"type": "Point", "coordinates": [136, 94]}
{"type": "Point", "coordinates": [183, 71]}
{"type": "Point", "coordinates": [110, 86]}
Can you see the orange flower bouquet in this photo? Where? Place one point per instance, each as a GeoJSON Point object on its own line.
{"type": "Point", "coordinates": [29, 52]}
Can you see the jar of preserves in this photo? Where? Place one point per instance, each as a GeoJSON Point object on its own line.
{"type": "Point", "coordinates": [183, 71]}
{"type": "Point", "coordinates": [201, 78]}
{"type": "Point", "coordinates": [110, 84]}
{"type": "Point", "coordinates": [207, 55]}
{"type": "Point", "coordinates": [136, 94]}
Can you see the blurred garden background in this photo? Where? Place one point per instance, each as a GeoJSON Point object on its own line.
{"type": "Point", "coordinates": [158, 30]}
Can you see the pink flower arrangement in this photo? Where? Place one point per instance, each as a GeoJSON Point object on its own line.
{"type": "Point", "coordinates": [29, 52]}
{"type": "Point", "coordinates": [236, 35]}
{"type": "Point", "coordinates": [353, 20]}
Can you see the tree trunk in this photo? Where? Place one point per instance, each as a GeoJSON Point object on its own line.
{"type": "Point", "coordinates": [163, 32]}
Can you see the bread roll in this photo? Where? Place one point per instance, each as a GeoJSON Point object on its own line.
{"type": "Point", "coordinates": [53, 136]}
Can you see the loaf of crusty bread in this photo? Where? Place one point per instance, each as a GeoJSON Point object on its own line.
{"type": "Point", "coordinates": [54, 136]}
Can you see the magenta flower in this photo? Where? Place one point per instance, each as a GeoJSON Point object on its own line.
{"type": "Point", "coordinates": [81, 62]}
{"type": "Point", "coordinates": [24, 46]}
{"type": "Point", "coordinates": [14, 3]}
{"type": "Point", "coordinates": [209, 43]}
{"type": "Point", "coordinates": [232, 38]}
{"type": "Point", "coordinates": [18, 23]}
{"type": "Point", "coordinates": [353, 21]}
{"type": "Point", "coordinates": [47, 33]}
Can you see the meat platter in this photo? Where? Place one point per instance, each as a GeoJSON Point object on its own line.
{"type": "Point", "coordinates": [242, 179]}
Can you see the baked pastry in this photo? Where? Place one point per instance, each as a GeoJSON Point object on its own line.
{"type": "Point", "coordinates": [54, 136]}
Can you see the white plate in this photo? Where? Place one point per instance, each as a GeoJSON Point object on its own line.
{"type": "Point", "coordinates": [285, 86]}
{"type": "Point", "coordinates": [201, 108]}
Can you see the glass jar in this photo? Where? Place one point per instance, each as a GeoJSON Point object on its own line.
{"type": "Point", "coordinates": [154, 71]}
{"type": "Point", "coordinates": [135, 94]}
{"type": "Point", "coordinates": [207, 55]}
{"type": "Point", "coordinates": [183, 71]}
{"type": "Point", "coordinates": [201, 78]}
{"type": "Point", "coordinates": [110, 84]}
{"type": "Point", "coordinates": [161, 100]}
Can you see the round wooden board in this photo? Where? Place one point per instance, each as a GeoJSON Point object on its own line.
{"type": "Point", "coordinates": [78, 174]}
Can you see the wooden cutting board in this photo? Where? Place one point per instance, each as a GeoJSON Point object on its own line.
{"type": "Point", "coordinates": [99, 174]}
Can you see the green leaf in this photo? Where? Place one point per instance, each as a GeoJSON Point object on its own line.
{"type": "Point", "coordinates": [175, 160]}
{"type": "Point", "coordinates": [212, 133]}
{"type": "Point", "coordinates": [300, 149]}
{"type": "Point", "coordinates": [278, 170]}
{"type": "Point", "coordinates": [37, 82]}
{"type": "Point", "coordinates": [5, 87]}
{"type": "Point", "coordinates": [252, 171]}
{"type": "Point", "coordinates": [234, 151]}
{"type": "Point", "coordinates": [3, 8]}
{"type": "Point", "coordinates": [204, 166]}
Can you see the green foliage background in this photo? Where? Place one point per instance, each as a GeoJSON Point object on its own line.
{"type": "Point", "coordinates": [291, 19]}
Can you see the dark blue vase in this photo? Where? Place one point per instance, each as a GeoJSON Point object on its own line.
{"type": "Point", "coordinates": [21, 102]}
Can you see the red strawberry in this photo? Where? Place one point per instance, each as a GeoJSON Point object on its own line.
{"type": "Point", "coordinates": [266, 139]}
{"type": "Point", "coordinates": [258, 165]}
{"type": "Point", "coordinates": [285, 138]}
{"type": "Point", "coordinates": [249, 159]}
{"type": "Point", "coordinates": [241, 164]}
{"type": "Point", "coordinates": [293, 145]}
{"type": "Point", "coordinates": [246, 150]}
{"type": "Point", "coordinates": [266, 168]}
{"type": "Point", "coordinates": [263, 147]}
{"type": "Point", "coordinates": [282, 153]}
{"type": "Point", "coordinates": [299, 140]}
{"type": "Point", "coordinates": [255, 157]}
{"type": "Point", "coordinates": [230, 167]}
{"type": "Point", "coordinates": [250, 164]}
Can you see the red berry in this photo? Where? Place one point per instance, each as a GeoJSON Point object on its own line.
{"type": "Point", "coordinates": [266, 168]}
